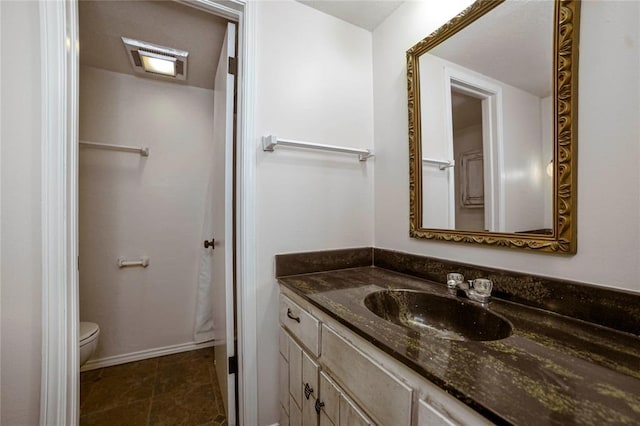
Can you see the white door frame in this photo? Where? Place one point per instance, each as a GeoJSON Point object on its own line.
{"type": "Point", "coordinates": [59, 396]}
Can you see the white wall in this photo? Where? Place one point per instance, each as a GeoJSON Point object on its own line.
{"type": "Point", "coordinates": [132, 206]}
{"type": "Point", "coordinates": [314, 82]}
{"type": "Point", "coordinates": [20, 224]}
{"type": "Point", "coordinates": [608, 191]}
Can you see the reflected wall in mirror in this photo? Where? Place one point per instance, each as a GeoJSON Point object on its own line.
{"type": "Point", "coordinates": [492, 126]}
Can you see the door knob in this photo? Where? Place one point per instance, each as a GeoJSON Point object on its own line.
{"type": "Point", "coordinates": [208, 244]}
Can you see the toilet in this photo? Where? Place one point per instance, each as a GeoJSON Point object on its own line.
{"type": "Point", "coordinates": [89, 332]}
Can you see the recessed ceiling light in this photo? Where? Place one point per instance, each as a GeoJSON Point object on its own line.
{"type": "Point", "coordinates": [158, 64]}
{"type": "Point", "coordinates": [149, 58]}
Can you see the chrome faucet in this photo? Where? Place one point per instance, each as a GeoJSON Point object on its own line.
{"type": "Point", "coordinates": [478, 290]}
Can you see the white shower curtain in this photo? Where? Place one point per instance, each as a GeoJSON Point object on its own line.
{"type": "Point", "coordinates": [203, 330]}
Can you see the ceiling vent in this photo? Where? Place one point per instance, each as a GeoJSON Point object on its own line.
{"type": "Point", "coordinates": [148, 58]}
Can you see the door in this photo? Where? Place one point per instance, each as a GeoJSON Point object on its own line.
{"type": "Point", "coordinates": [222, 276]}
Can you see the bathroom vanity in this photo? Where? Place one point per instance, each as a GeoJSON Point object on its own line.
{"type": "Point", "coordinates": [370, 380]}
{"type": "Point", "coordinates": [343, 362]}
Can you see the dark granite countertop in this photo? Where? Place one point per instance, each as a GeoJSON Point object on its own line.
{"type": "Point", "coordinates": [551, 370]}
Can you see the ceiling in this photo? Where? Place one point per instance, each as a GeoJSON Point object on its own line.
{"type": "Point", "coordinates": [103, 23]}
{"type": "Point", "coordinates": [518, 53]}
{"type": "Point", "coordinates": [512, 43]}
{"type": "Point", "coordinates": [362, 13]}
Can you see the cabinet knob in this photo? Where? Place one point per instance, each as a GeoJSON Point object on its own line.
{"type": "Point", "coordinates": [208, 244]}
{"type": "Point", "coordinates": [319, 405]}
{"type": "Point", "coordinates": [308, 390]}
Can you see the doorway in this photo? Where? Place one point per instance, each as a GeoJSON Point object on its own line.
{"type": "Point", "coordinates": [466, 112]}
{"type": "Point", "coordinates": [60, 335]}
{"type": "Point", "coordinates": [156, 226]}
{"type": "Point", "coordinates": [474, 134]}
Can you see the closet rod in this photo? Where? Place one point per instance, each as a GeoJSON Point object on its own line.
{"type": "Point", "coordinates": [143, 151]}
{"type": "Point", "coordinates": [270, 142]}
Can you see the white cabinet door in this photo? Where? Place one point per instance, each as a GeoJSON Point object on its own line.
{"type": "Point", "coordinates": [298, 384]}
{"type": "Point", "coordinates": [351, 415]}
{"type": "Point", "coordinates": [295, 414]}
{"type": "Point", "coordinates": [329, 396]}
{"type": "Point", "coordinates": [387, 399]}
{"type": "Point", "coordinates": [309, 390]}
{"type": "Point", "coordinates": [283, 380]}
{"type": "Point", "coordinates": [284, 417]}
{"type": "Point", "coordinates": [295, 373]}
{"type": "Point", "coordinates": [337, 408]}
{"type": "Point", "coordinates": [428, 415]}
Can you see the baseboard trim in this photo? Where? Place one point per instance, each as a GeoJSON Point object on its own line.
{"type": "Point", "coordinates": [94, 364]}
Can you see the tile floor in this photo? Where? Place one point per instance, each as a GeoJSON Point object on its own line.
{"type": "Point", "coordinates": [179, 389]}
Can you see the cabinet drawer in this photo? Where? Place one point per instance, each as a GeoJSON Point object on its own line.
{"type": "Point", "coordinates": [386, 398]}
{"type": "Point", "coordinates": [302, 325]}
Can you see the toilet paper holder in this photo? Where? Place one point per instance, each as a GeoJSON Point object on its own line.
{"type": "Point", "coordinates": [123, 263]}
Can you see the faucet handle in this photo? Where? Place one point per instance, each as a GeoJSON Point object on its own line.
{"type": "Point", "coordinates": [483, 286]}
{"type": "Point", "coordinates": [454, 279]}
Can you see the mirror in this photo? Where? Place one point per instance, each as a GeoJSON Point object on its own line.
{"type": "Point", "coordinates": [492, 126]}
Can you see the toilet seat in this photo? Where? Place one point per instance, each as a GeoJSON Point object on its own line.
{"type": "Point", "coordinates": [88, 332]}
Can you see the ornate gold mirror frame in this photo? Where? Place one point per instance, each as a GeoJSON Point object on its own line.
{"type": "Point", "coordinates": [565, 102]}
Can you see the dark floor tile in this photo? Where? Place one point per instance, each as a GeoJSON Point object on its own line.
{"type": "Point", "coordinates": [222, 422]}
{"type": "Point", "coordinates": [110, 392]}
{"type": "Point", "coordinates": [146, 367]}
{"type": "Point", "coordinates": [135, 414]}
{"type": "Point", "coordinates": [216, 389]}
{"type": "Point", "coordinates": [179, 389]}
{"type": "Point", "coordinates": [174, 358]}
{"type": "Point", "coordinates": [182, 376]}
{"type": "Point", "coordinates": [85, 388]}
{"type": "Point", "coordinates": [187, 407]}
{"type": "Point", "coordinates": [90, 376]}
{"type": "Point", "coordinates": [205, 353]}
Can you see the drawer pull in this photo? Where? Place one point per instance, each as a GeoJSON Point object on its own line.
{"type": "Point", "coordinates": [319, 405]}
{"type": "Point", "coordinates": [308, 390]}
{"type": "Point", "coordinates": [290, 315]}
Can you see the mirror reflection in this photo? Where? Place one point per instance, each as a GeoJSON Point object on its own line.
{"type": "Point", "coordinates": [487, 123]}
